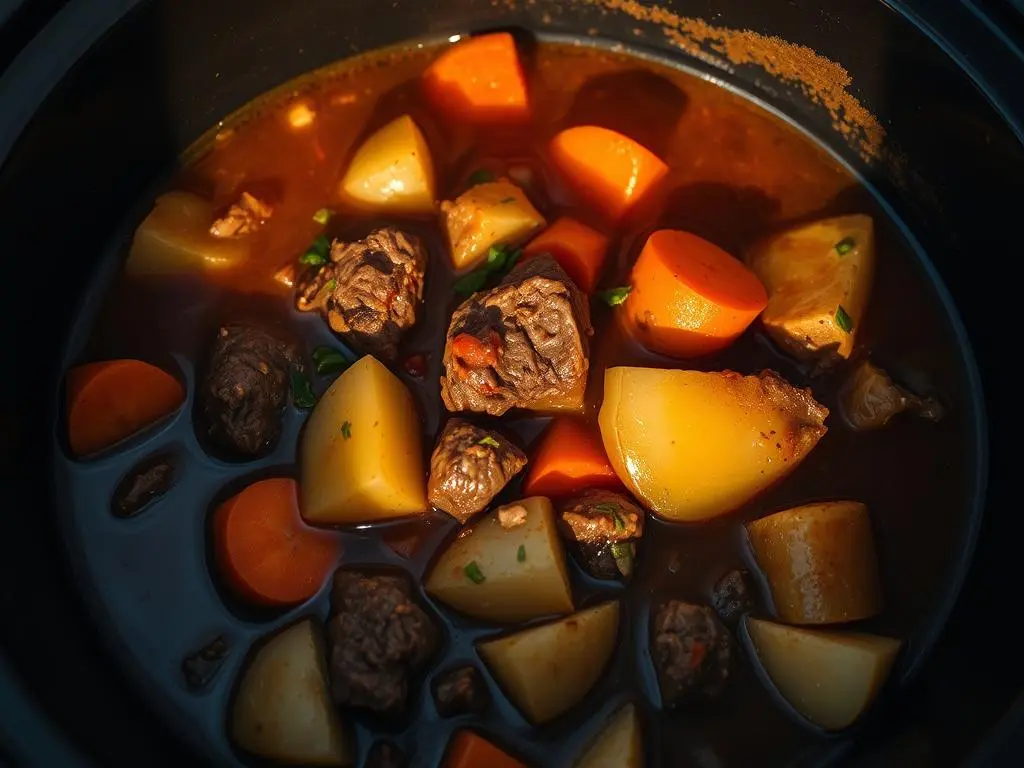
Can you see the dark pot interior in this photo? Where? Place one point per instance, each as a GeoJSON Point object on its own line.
{"type": "Point", "coordinates": [96, 112]}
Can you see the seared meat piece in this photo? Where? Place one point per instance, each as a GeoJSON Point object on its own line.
{"type": "Point", "coordinates": [603, 526]}
{"type": "Point", "coordinates": [245, 388]}
{"type": "Point", "coordinates": [461, 691]}
{"type": "Point", "coordinates": [379, 640]}
{"type": "Point", "coordinates": [732, 596]}
{"type": "Point", "coordinates": [692, 652]}
{"type": "Point", "coordinates": [521, 344]}
{"type": "Point", "coordinates": [384, 754]}
{"type": "Point", "coordinates": [870, 398]}
{"type": "Point", "coordinates": [242, 218]}
{"type": "Point", "coordinates": [370, 290]}
{"type": "Point", "coordinates": [469, 467]}
{"type": "Point", "coordinates": [147, 481]}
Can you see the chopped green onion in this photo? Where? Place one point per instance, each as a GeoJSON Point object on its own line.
{"type": "Point", "coordinates": [845, 245]}
{"type": "Point", "coordinates": [318, 252]}
{"type": "Point", "coordinates": [323, 216]}
{"type": "Point", "coordinates": [615, 296]}
{"type": "Point", "coordinates": [473, 573]}
{"type": "Point", "coordinates": [328, 360]}
{"type": "Point", "coordinates": [489, 441]}
{"type": "Point", "coordinates": [302, 390]}
{"type": "Point", "coordinates": [623, 552]}
{"type": "Point", "coordinates": [843, 319]}
{"type": "Point", "coordinates": [471, 283]}
{"type": "Point", "coordinates": [346, 429]}
{"type": "Point", "coordinates": [480, 176]}
{"type": "Point", "coordinates": [499, 261]}
{"type": "Point", "coordinates": [313, 259]}
{"type": "Point", "coordinates": [521, 554]}
{"type": "Point", "coordinates": [330, 285]}
{"type": "Point", "coordinates": [612, 510]}
{"type": "Point", "coordinates": [496, 258]}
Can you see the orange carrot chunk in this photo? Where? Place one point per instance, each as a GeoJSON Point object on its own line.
{"type": "Point", "coordinates": [689, 297]}
{"type": "Point", "coordinates": [468, 750]}
{"type": "Point", "coordinates": [570, 458]}
{"type": "Point", "coordinates": [265, 552]}
{"type": "Point", "coordinates": [579, 250]}
{"type": "Point", "coordinates": [611, 171]}
{"type": "Point", "coordinates": [114, 399]}
{"type": "Point", "coordinates": [479, 80]}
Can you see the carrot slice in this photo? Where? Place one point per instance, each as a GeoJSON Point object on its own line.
{"type": "Point", "coordinates": [469, 750]}
{"type": "Point", "coordinates": [479, 80]}
{"type": "Point", "coordinates": [611, 171]}
{"type": "Point", "coordinates": [690, 297]}
{"type": "Point", "coordinates": [111, 400]}
{"type": "Point", "coordinates": [570, 458]}
{"type": "Point", "coordinates": [579, 250]}
{"type": "Point", "coordinates": [264, 551]}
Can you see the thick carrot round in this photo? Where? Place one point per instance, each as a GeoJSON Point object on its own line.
{"type": "Point", "coordinates": [611, 171]}
{"type": "Point", "coordinates": [111, 400]}
{"type": "Point", "coordinates": [570, 458]}
{"type": "Point", "coordinates": [264, 551]}
{"type": "Point", "coordinates": [579, 250]}
{"type": "Point", "coordinates": [689, 297]}
{"type": "Point", "coordinates": [468, 750]}
{"type": "Point", "coordinates": [479, 80]}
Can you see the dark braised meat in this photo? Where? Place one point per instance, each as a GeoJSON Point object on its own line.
{"type": "Point", "coordinates": [242, 218]}
{"type": "Point", "coordinates": [732, 596]}
{"type": "Point", "coordinates": [143, 484]}
{"type": "Point", "coordinates": [384, 754]}
{"type": "Point", "coordinates": [202, 666]}
{"type": "Point", "coordinates": [246, 387]}
{"type": "Point", "coordinates": [692, 652]}
{"type": "Point", "coordinates": [522, 344]}
{"type": "Point", "coordinates": [370, 290]}
{"type": "Point", "coordinates": [380, 640]}
{"type": "Point", "coordinates": [602, 528]}
{"type": "Point", "coordinates": [870, 398]}
{"type": "Point", "coordinates": [461, 691]}
{"type": "Point", "coordinates": [469, 467]}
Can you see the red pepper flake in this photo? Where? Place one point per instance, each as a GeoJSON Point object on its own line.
{"type": "Point", "coordinates": [416, 366]}
{"type": "Point", "coordinates": [697, 654]}
{"type": "Point", "coordinates": [477, 353]}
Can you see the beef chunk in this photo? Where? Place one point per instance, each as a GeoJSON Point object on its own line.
{"type": "Point", "coordinates": [385, 754]}
{"type": "Point", "coordinates": [370, 290]}
{"type": "Point", "coordinates": [469, 467]}
{"type": "Point", "coordinates": [732, 596]}
{"type": "Point", "coordinates": [870, 398]}
{"type": "Point", "coordinates": [692, 652]}
{"type": "Point", "coordinates": [242, 218]}
{"type": "Point", "coordinates": [380, 639]}
{"type": "Point", "coordinates": [522, 344]}
{"type": "Point", "coordinates": [602, 527]}
{"type": "Point", "coordinates": [144, 483]}
{"type": "Point", "coordinates": [246, 387]}
{"type": "Point", "coordinates": [461, 691]}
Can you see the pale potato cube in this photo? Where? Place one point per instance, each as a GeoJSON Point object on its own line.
{"type": "Point", "coordinates": [392, 171]}
{"type": "Point", "coordinates": [493, 213]}
{"type": "Point", "coordinates": [619, 745]}
{"type": "Point", "coordinates": [361, 455]}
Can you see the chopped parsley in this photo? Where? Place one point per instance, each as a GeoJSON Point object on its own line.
{"type": "Point", "coordinates": [845, 245]}
{"type": "Point", "coordinates": [302, 390]}
{"type": "Point", "coordinates": [328, 360]}
{"type": "Point", "coordinates": [317, 253]}
{"type": "Point", "coordinates": [480, 176]}
{"type": "Point", "coordinates": [521, 553]}
{"type": "Point", "coordinates": [473, 573]}
{"type": "Point", "coordinates": [346, 429]}
{"type": "Point", "coordinates": [615, 296]}
{"type": "Point", "coordinates": [499, 261]}
{"type": "Point", "coordinates": [323, 215]}
{"type": "Point", "coordinates": [488, 441]}
{"type": "Point", "coordinates": [843, 319]}
{"type": "Point", "coordinates": [623, 552]}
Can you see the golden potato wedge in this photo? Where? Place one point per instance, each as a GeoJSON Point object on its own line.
{"type": "Point", "coordinates": [510, 566]}
{"type": "Point", "coordinates": [282, 710]}
{"type": "Point", "coordinates": [830, 678]}
{"type": "Point", "coordinates": [493, 213]}
{"type": "Point", "coordinates": [546, 670]}
{"type": "Point", "coordinates": [820, 562]}
{"type": "Point", "coordinates": [392, 171]}
{"type": "Point", "coordinates": [818, 278]}
{"type": "Point", "coordinates": [175, 237]}
{"type": "Point", "coordinates": [361, 453]}
{"type": "Point", "coordinates": [693, 445]}
{"type": "Point", "coordinates": [619, 745]}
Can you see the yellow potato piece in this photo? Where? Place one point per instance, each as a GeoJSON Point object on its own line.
{"type": "Point", "coordinates": [175, 237]}
{"type": "Point", "coordinates": [619, 745]}
{"type": "Point", "coordinates": [392, 171]}
{"type": "Point", "coordinates": [810, 272]}
{"type": "Point", "coordinates": [282, 710]}
{"type": "Point", "coordinates": [518, 553]}
{"type": "Point", "coordinates": [546, 670]}
{"type": "Point", "coordinates": [830, 678]}
{"type": "Point", "coordinates": [820, 562]}
{"type": "Point", "coordinates": [494, 213]}
{"type": "Point", "coordinates": [361, 456]}
{"type": "Point", "coordinates": [693, 445]}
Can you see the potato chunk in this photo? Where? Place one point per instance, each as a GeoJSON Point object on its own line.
{"type": "Point", "coordinates": [282, 710]}
{"type": "Point", "coordinates": [830, 678]}
{"type": "Point", "coordinates": [508, 567]}
{"type": "Point", "coordinates": [546, 670]}
{"type": "Point", "coordinates": [818, 278]}
{"type": "Point", "coordinates": [694, 445]}
{"type": "Point", "coordinates": [175, 237]}
{"type": "Point", "coordinates": [361, 455]}
{"type": "Point", "coordinates": [392, 171]}
{"type": "Point", "coordinates": [619, 745]}
{"type": "Point", "coordinates": [493, 213]}
{"type": "Point", "coordinates": [820, 562]}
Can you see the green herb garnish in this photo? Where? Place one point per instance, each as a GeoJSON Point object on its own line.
{"type": "Point", "coordinates": [473, 573]}
{"type": "Point", "coordinates": [615, 296]}
{"type": "Point", "coordinates": [623, 552]}
{"type": "Point", "coordinates": [313, 259]}
{"type": "Point", "coordinates": [845, 245]}
{"type": "Point", "coordinates": [318, 252]}
{"type": "Point", "coordinates": [328, 360]}
{"type": "Point", "coordinates": [302, 390]}
{"type": "Point", "coordinates": [471, 283]}
{"type": "Point", "coordinates": [521, 553]}
{"type": "Point", "coordinates": [612, 510]}
{"type": "Point", "coordinates": [843, 319]}
{"type": "Point", "coordinates": [346, 429]}
{"type": "Point", "coordinates": [499, 261]}
{"type": "Point", "coordinates": [323, 215]}
{"type": "Point", "coordinates": [488, 441]}
{"type": "Point", "coordinates": [480, 176]}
